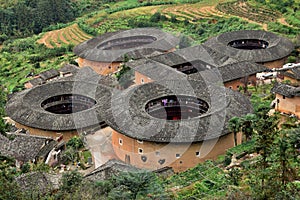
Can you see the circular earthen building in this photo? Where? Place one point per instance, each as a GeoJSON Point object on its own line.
{"type": "Point", "coordinates": [105, 53]}
{"type": "Point", "coordinates": [256, 46]}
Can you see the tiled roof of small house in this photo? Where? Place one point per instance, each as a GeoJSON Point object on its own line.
{"type": "Point", "coordinates": [239, 70]}
{"type": "Point", "coordinates": [26, 147]}
{"type": "Point", "coordinates": [38, 181]}
{"type": "Point", "coordinates": [25, 107]}
{"type": "Point", "coordinates": [87, 74]}
{"type": "Point", "coordinates": [134, 43]}
{"type": "Point", "coordinates": [51, 73]}
{"type": "Point", "coordinates": [48, 74]}
{"type": "Point", "coordinates": [68, 68]}
{"type": "Point", "coordinates": [128, 116]}
{"type": "Point", "coordinates": [110, 168]}
{"type": "Point", "coordinates": [36, 81]}
{"type": "Point", "coordinates": [278, 47]}
{"type": "Point", "coordinates": [286, 90]}
{"type": "Point", "coordinates": [293, 73]}
{"type": "Point", "coordinates": [202, 58]}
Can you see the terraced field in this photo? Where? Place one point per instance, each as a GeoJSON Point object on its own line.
{"type": "Point", "coordinates": [245, 10]}
{"type": "Point", "coordinates": [136, 12]}
{"type": "Point", "coordinates": [192, 12]}
{"type": "Point", "coordinates": [69, 35]}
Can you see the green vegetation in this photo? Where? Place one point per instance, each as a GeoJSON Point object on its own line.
{"type": "Point", "coordinates": [252, 12]}
{"type": "Point", "coordinates": [275, 166]}
{"type": "Point", "coordinates": [3, 125]}
{"type": "Point", "coordinates": [75, 143]}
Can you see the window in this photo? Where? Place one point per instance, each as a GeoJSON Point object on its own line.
{"type": "Point", "coordinates": [283, 97]}
{"type": "Point", "coordinates": [109, 67]}
{"type": "Point", "coordinates": [177, 155]}
{"type": "Point", "coordinates": [161, 161]}
{"type": "Point", "coordinates": [142, 81]}
{"type": "Point", "coordinates": [230, 87]}
{"type": "Point", "coordinates": [157, 153]}
{"type": "Point", "coordinates": [140, 150]}
{"type": "Point", "coordinates": [144, 158]}
{"type": "Point", "coordinates": [197, 153]}
{"type": "Point", "coordinates": [140, 141]}
{"type": "Point", "coordinates": [120, 141]}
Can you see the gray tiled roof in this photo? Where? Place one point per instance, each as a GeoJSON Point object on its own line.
{"type": "Point", "coordinates": [36, 81]}
{"type": "Point", "coordinates": [69, 68]}
{"type": "Point", "coordinates": [279, 47]}
{"type": "Point", "coordinates": [26, 147]}
{"type": "Point", "coordinates": [38, 181]}
{"type": "Point", "coordinates": [92, 49]}
{"type": "Point", "coordinates": [51, 73]}
{"type": "Point", "coordinates": [293, 73]}
{"type": "Point", "coordinates": [128, 116]}
{"type": "Point", "coordinates": [25, 107]}
{"type": "Point", "coordinates": [202, 58]}
{"type": "Point", "coordinates": [110, 168]}
{"type": "Point", "coordinates": [286, 90]}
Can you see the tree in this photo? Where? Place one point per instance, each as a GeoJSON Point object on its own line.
{"type": "Point", "coordinates": [234, 125]}
{"type": "Point", "coordinates": [3, 125]}
{"type": "Point", "coordinates": [75, 143]}
{"type": "Point", "coordinates": [247, 125]}
{"type": "Point", "coordinates": [184, 42]}
{"type": "Point", "coordinates": [131, 185]}
{"type": "Point", "coordinates": [70, 181]}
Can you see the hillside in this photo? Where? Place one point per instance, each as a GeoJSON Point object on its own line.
{"type": "Point", "coordinates": [248, 171]}
{"type": "Point", "coordinates": [198, 21]}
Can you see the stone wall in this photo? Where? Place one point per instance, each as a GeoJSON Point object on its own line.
{"type": "Point", "coordinates": [66, 135]}
{"type": "Point", "coordinates": [103, 68]}
{"type": "Point", "coordinates": [235, 84]}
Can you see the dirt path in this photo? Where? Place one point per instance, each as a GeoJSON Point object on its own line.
{"type": "Point", "coordinates": [283, 21]}
{"type": "Point", "coordinates": [44, 39]}
{"type": "Point", "coordinates": [211, 10]}
{"type": "Point", "coordinates": [61, 37]}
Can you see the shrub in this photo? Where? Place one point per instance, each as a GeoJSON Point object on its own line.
{"type": "Point", "coordinates": [75, 142]}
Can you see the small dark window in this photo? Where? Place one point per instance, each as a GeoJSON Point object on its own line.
{"type": "Point", "coordinates": [161, 161]}
{"type": "Point", "coordinates": [197, 153]}
{"type": "Point", "coordinates": [140, 150]}
{"type": "Point", "coordinates": [140, 141]}
{"type": "Point", "coordinates": [180, 162]}
{"type": "Point", "coordinates": [283, 97]}
{"type": "Point", "coordinates": [177, 155]}
{"type": "Point", "coordinates": [120, 141]}
{"type": "Point", "coordinates": [144, 158]}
